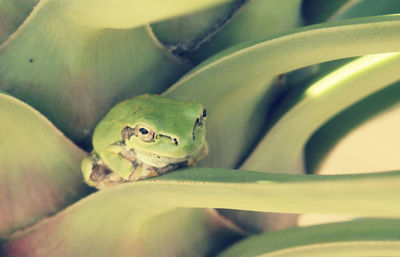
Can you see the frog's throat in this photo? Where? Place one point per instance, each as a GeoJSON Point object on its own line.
{"type": "Point", "coordinates": [158, 161]}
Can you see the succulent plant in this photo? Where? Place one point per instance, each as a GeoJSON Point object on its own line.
{"type": "Point", "coordinates": [282, 81]}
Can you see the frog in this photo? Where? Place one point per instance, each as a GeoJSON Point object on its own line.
{"type": "Point", "coordinates": [144, 137]}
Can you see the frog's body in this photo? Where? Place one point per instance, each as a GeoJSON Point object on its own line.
{"type": "Point", "coordinates": [144, 137]}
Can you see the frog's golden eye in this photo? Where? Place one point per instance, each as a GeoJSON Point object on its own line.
{"type": "Point", "coordinates": [144, 133]}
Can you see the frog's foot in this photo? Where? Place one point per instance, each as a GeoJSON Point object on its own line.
{"type": "Point", "coordinates": [97, 174]}
{"type": "Point", "coordinates": [103, 177]}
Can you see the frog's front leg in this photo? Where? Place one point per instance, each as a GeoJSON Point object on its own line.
{"type": "Point", "coordinates": [110, 167]}
{"type": "Point", "coordinates": [115, 157]}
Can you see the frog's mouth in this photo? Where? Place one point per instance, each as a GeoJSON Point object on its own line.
{"type": "Point", "coordinates": [159, 161]}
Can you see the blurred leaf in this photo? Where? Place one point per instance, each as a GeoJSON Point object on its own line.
{"type": "Point", "coordinates": [321, 11]}
{"type": "Point", "coordinates": [281, 150]}
{"type": "Point", "coordinates": [254, 20]}
{"type": "Point", "coordinates": [187, 33]}
{"type": "Point", "coordinates": [355, 238]}
{"type": "Point", "coordinates": [326, 137]}
{"type": "Point", "coordinates": [12, 14]}
{"type": "Point", "coordinates": [133, 13]}
{"type": "Point", "coordinates": [316, 11]}
{"type": "Point", "coordinates": [367, 8]}
{"type": "Point", "coordinates": [121, 231]}
{"type": "Point", "coordinates": [39, 167]}
{"type": "Point", "coordinates": [256, 222]}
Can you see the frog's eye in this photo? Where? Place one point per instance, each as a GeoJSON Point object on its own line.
{"type": "Point", "coordinates": [144, 133]}
{"type": "Point", "coordinates": [204, 113]}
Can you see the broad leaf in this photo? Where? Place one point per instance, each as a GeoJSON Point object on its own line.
{"type": "Point", "coordinates": [39, 167]}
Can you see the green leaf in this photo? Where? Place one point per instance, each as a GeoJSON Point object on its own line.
{"type": "Point", "coordinates": [316, 11]}
{"type": "Point", "coordinates": [281, 53]}
{"type": "Point", "coordinates": [128, 14]}
{"type": "Point", "coordinates": [39, 167]}
{"type": "Point", "coordinates": [55, 65]}
{"type": "Point", "coordinates": [254, 20]}
{"type": "Point", "coordinates": [12, 14]}
{"type": "Point", "coordinates": [378, 156]}
{"type": "Point", "coordinates": [179, 232]}
{"type": "Point", "coordinates": [355, 238]}
{"type": "Point", "coordinates": [367, 8]}
{"type": "Point", "coordinates": [125, 217]}
{"type": "Point", "coordinates": [282, 148]}
{"type": "Point", "coordinates": [250, 67]}
{"type": "Point", "coordinates": [187, 33]}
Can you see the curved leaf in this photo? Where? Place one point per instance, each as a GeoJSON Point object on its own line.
{"type": "Point", "coordinates": [365, 135]}
{"type": "Point", "coordinates": [282, 148]}
{"type": "Point", "coordinates": [128, 210]}
{"type": "Point", "coordinates": [278, 54]}
{"type": "Point", "coordinates": [187, 33]}
{"type": "Point", "coordinates": [12, 14]}
{"type": "Point", "coordinates": [251, 66]}
{"type": "Point", "coordinates": [179, 232]}
{"type": "Point", "coordinates": [255, 19]}
{"type": "Point", "coordinates": [315, 11]}
{"type": "Point", "coordinates": [39, 167]}
{"type": "Point", "coordinates": [128, 14]}
{"type": "Point", "coordinates": [355, 238]}
{"type": "Point", "coordinates": [55, 64]}
{"type": "Point", "coordinates": [367, 8]}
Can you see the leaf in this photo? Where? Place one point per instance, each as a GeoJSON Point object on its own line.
{"type": "Point", "coordinates": [39, 167]}
{"type": "Point", "coordinates": [284, 52]}
{"type": "Point", "coordinates": [12, 14]}
{"type": "Point", "coordinates": [252, 66]}
{"type": "Point", "coordinates": [179, 232]}
{"type": "Point", "coordinates": [282, 148]}
{"type": "Point", "coordinates": [377, 237]}
{"type": "Point", "coordinates": [378, 156]}
{"type": "Point", "coordinates": [187, 33]}
{"type": "Point", "coordinates": [367, 8]}
{"type": "Point", "coordinates": [255, 19]}
{"type": "Point", "coordinates": [128, 14]}
{"type": "Point", "coordinates": [320, 11]}
{"type": "Point", "coordinates": [125, 217]}
{"type": "Point", "coordinates": [55, 64]}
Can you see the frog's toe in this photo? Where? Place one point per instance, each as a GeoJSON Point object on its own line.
{"type": "Point", "coordinates": [99, 172]}
{"type": "Point", "coordinates": [87, 170]}
{"type": "Point", "coordinates": [97, 175]}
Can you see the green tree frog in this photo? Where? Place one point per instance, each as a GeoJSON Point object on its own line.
{"type": "Point", "coordinates": [144, 137]}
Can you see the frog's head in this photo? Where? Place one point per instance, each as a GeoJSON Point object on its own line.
{"type": "Point", "coordinates": [163, 130]}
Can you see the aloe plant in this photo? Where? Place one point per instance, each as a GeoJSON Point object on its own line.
{"type": "Point", "coordinates": [280, 81]}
